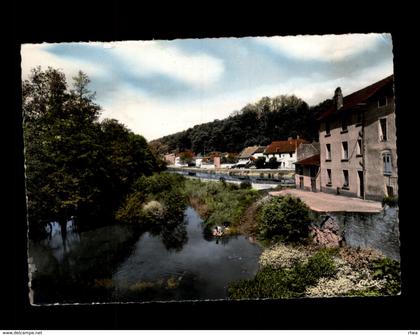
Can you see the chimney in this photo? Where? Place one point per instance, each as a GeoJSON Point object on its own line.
{"type": "Point", "coordinates": [338, 98]}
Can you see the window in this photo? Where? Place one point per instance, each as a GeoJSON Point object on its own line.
{"type": "Point", "coordinates": [291, 154]}
{"type": "Point", "coordinates": [328, 152]}
{"type": "Point", "coordinates": [345, 151]}
{"type": "Point", "coordinates": [387, 160]}
{"type": "Point", "coordinates": [382, 130]}
{"type": "Point", "coordinates": [344, 124]}
{"type": "Point", "coordinates": [359, 148]}
{"type": "Point", "coordinates": [346, 178]}
{"type": "Point", "coordinates": [329, 180]}
{"type": "Point", "coordinates": [327, 128]}
{"type": "Point", "coordinates": [382, 102]}
{"type": "Point", "coordinates": [359, 118]}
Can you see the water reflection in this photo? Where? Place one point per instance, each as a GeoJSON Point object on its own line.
{"type": "Point", "coordinates": [60, 244]}
{"type": "Point", "coordinates": [176, 261]}
{"type": "Point", "coordinates": [201, 269]}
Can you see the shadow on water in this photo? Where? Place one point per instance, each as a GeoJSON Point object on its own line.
{"type": "Point", "coordinates": [178, 260]}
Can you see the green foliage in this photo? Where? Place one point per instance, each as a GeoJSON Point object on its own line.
{"type": "Point", "coordinates": [275, 283]}
{"type": "Point", "coordinates": [391, 201]}
{"type": "Point", "coordinates": [272, 163]}
{"type": "Point", "coordinates": [245, 185]}
{"type": "Point", "coordinates": [390, 271]}
{"type": "Point", "coordinates": [75, 166]}
{"type": "Point", "coordinates": [284, 218]}
{"type": "Point", "coordinates": [260, 163]}
{"type": "Point", "coordinates": [163, 188]}
{"type": "Point", "coordinates": [255, 124]}
{"type": "Point", "coordinates": [219, 203]}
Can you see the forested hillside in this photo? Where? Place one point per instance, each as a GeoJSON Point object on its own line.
{"type": "Point", "coordinates": [259, 123]}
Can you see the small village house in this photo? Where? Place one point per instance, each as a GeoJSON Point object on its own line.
{"type": "Point", "coordinates": [284, 152]}
{"type": "Point", "coordinates": [357, 136]}
{"type": "Point", "coordinates": [249, 154]}
{"type": "Point", "coordinates": [170, 159]}
{"type": "Point", "coordinates": [307, 176]}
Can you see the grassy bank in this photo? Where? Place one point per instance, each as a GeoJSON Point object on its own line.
{"type": "Point", "coordinates": [220, 203]}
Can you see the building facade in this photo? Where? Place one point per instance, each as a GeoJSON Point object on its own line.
{"type": "Point", "coordinates": [307, 171]}
{"type": "Point", "coordinates": [357, 136]}
{"type": "Point", "coordinates": [284, 152]}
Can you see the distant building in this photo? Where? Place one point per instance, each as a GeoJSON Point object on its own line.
{"type": "Point", "coordinates": [357, 135]}
{"type": "Point", "coordinates": [249, 154]}
{"type": "Point", "coordinates": [284, 152]}
{"type": "Point", "coordinates": [170, 159]}
{"type": "Point", "coordinates": [307, 176]}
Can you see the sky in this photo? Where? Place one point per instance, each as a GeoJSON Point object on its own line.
{"type": "Point", "coordinates": [159, 87]}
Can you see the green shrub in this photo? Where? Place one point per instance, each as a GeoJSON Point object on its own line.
{"type": "Point", "coordinates": [284, 218]}
{"type": "Point", "coordinates": [274, 283]}
{"type": "Point", "coordinates": [391, 201]}
{"type": "Point", "coordinates": [260, 162]}
{"type": "Point", "coordinates": [163, 188]}
{"type": "Point", "coordinates": [245, 184]}
{"type": "Point", "coordinates": [390, 271]}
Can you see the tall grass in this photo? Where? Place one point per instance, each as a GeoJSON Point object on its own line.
{"type": "Point", "coordinates": [219, 203]}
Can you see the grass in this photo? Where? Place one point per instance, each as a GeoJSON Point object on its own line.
{"type": "Point", "coordinates": [220, 203]}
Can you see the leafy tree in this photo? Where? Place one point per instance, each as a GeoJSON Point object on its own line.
{"type": "Point", "coordinates": [285, 218]}
{"type": "Point", "coordinates": [74, 165]}
{"type": "Point", "coordinates": [261, 123]}
{"type": "Point", "coordinates": [260, 162]}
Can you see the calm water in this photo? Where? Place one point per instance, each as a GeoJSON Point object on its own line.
{"type": "Point", "coordinates": [202, 269]}
{"type": "Point", "coordinates": [113, 264]}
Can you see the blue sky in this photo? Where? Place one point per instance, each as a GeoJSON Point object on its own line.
{"type": "Point", "coordinates": [160, 87]}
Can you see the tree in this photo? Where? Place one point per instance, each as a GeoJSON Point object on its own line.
{"type": "Point", "coordinates": [74, 165]}
{"type": "Point", "coordinates": [260, 162]}
{"type": "Point", "coordinates": [285, 218]}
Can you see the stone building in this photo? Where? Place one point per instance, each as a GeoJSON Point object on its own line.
{"type": "Point", "coordinates": [307, 176]}
{"type": "Point", "coordinates": [357, 136]}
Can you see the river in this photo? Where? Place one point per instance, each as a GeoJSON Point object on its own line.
{"type": "Point", "coordinates": [198, 267]}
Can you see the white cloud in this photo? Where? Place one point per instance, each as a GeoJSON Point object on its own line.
{"type": "Point", "coordinates": [147, 58]}
{"type": "Point", "coordinates": [34, 55]}
{"type": "Point", "coordinates": [321, 47]}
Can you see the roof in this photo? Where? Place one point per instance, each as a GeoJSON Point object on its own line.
{"type": "Point", "coordinates": [313, 160]}
{"type": "Point", "coordinates": [248, 152]}
{"type": "Point", "coordinates": [278, 147]}
{"type": "Point", "coordinates": [352, 100]}
{"type": "Point", "coordinates": [259, 150]}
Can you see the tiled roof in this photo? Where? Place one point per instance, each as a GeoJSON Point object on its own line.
{"type": "Point", "coordinates": [247, 152]}
{"type": "Point", "coordinates": [357, 97]}
{"type": "Point", "coordinates": [278, 147]}
{"type": "Point", "coordinates": [313, 160]}
{"type": "Point", "coordinates": [260, 150]}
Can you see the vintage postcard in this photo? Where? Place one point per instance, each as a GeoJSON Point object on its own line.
{"type": "Point", "coordinates": [211, 169]}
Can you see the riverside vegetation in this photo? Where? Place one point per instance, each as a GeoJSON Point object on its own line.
{"type": "Point", "coordinates": [110, 182]}
{"type": "Point", "coordinates": [292, 265]}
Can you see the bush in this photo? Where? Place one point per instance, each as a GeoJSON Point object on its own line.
{"type": "Point", "coordinates": [270, 282]}
{"type": "Point", "coordinates": [388, 270]}
{"type": "Point", "coordinates": [272, 163]}
{"type": "Point", "coordinates": [260, 163]}
{"type": "Point", "coordinates": [164, 191]}
{"type": "Point", "coordinates": [391, 201]}
{"type": "Point", "coordinates": [284, 218]}
{"type": "Point", "coordinates": [245, 184]}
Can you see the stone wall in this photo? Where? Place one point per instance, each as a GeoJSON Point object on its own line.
{"type": "Point", "coordinates": [366, 230]}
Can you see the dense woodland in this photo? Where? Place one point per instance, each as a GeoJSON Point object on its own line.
{"type": "Point", "coordinates": [260, 123]}
{"type": "Point", "coordinates": [76, 166]}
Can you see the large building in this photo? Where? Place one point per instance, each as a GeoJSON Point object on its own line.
{"type": "Point", "coordinates": [357, 136]}
{"type": "Point", "coordinates": [284, 152]}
